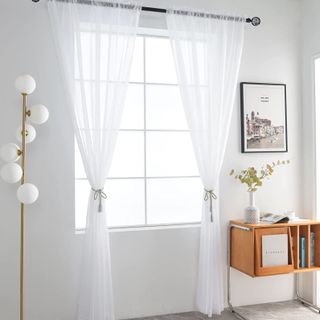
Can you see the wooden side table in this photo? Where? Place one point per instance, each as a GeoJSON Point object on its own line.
{"type": "Point", "coordinates": [245, 251]}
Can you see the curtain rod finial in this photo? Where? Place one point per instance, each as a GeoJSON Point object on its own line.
{"type": "Point", "coordinates": [255, 21]}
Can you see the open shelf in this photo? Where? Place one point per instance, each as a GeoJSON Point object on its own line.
{"type": "Point", "coordinates": [301, 270]}
{"type": "Point", "coordinates": [295, 245]}
{"type": "Point", "coordinates": [246, 247]}
{"type": "Point", "coordinates": [261, 270]}
{"type": "Point", "coordinates": [316, 230]}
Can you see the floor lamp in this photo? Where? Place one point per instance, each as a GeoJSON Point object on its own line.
{"type": "Point", "coordinates": [12, 172]}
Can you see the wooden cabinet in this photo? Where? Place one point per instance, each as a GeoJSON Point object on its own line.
{"type": "Point", "coordinates": [246, 246]}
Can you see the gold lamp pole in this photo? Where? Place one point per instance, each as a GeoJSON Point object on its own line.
{"type": "Point", "coordinates": [11, 172]}
{"type": "Point", "coordinates": [23, 162]}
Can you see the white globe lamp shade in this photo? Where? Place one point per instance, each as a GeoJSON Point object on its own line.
{"type": "Point", "coordinates": [30, 133]}
{"type": "Point", "coordinates": [11, 173]}
{"type": "Point", "coordinates": [27, 193]}
{"type": "Point", "coordinates": [25, 84]}
{"type": "Point", "coordinates": [9, 152]}
{"type": "Point", "coordinates": [39, 114]}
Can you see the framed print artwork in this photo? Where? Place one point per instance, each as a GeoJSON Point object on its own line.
{"type": "Point", "coordinates": [263, 117]}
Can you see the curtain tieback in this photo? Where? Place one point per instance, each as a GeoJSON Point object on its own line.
{"type": "Point", "coordinates": [99, 194]}
{"type": "Point", "coordinates": [210, 195]}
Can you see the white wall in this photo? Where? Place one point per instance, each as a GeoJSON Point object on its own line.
{"type": "Point", "coordinates": [310, 48]}
{"type": "Point", "coordinates": [154, 270]}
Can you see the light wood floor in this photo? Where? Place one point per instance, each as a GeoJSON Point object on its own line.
{"type": "Point", "coordinates": [289, 310]}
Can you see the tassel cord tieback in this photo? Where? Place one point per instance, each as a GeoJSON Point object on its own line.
{"type": "Point", "coordinates": [210, 195]}
{"type": "Point", "coordinates": [99, 194]}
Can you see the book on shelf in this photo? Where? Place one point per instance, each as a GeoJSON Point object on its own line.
{"type": "Point", "coordinates": [302, 251]}
{"type": "Point", "coordinates": [312, 248]}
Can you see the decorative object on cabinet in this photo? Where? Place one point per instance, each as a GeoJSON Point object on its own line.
{"type": "Point", "coordinates": [253, 178]}
{"type": "Point", "coordinates": [245, 251]}
{"type": "Point", "coordinates": [12, 172]}
{"type": "Point", "coordinates": [252, 213]}
{"type": "Point", "coordinates": [263, 117]}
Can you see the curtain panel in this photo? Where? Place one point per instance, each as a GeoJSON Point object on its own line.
{"type": "Point", "coordinates": [95, 45]}
{"type": "Point", "coordinates": [207, 54]}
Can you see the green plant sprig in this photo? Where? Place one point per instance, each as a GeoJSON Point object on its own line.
{"type": "Point", "coordinates": [254, 178]}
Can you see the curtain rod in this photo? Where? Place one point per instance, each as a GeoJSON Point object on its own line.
{"type": "Point", "coordinates": [255, 21]}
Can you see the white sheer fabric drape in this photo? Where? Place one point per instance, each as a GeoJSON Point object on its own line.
{"type": "Point", "coordinates": [95, 46]}
{"type": "Point", "coordinates": [207, 54]}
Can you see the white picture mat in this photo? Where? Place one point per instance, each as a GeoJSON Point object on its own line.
{"type": "Point", "coordinates": [274, 109]}
{"type": "Point", "coordinates": [275, 250]}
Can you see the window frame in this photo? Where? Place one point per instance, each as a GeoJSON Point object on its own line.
{"type": "Point", "coordinates": [144, 33]}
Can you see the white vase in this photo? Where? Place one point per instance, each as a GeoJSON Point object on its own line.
{"type": "Point", "coordinates": [252, 213]}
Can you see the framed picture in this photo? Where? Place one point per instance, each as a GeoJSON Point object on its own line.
{"type": "Point", "coordinates": [263, 117]}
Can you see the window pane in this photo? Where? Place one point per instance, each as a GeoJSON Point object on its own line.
{"type": "Point", "coordinates": [174, 200]}
{"type": "Point", "coordinates": [133, 112]}
{"type": "Point", "coordinates": [79, 169]}
{"type": "Point", "coordinates": [159, 61]}
{"type": "Point", "coordinates": [128, 158]}
{"type": "Point", "coordinates": [124, 205]}
{"type": "Point", "coordinates": [82, 189]}
{"type": "Point", "coordinates": [164, 108]}
{"type": "Point", "coordinates": [170, 154]}
{"type": "Point", "coordinates": [95, 98]}
{"type": "Point", "coordinates": [87, 45]}
{"type": "Point", "coordinates": [136, 74]}
{"type": "Point", "coordinates": [125, 202]}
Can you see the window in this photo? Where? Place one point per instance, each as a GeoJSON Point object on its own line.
{"type": "Point", "coordinates": [153, 178]}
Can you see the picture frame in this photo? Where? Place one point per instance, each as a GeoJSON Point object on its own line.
{"type": "Point", "coordinates": [263, 117]}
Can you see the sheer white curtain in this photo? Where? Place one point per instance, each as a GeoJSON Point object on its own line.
{"type": "Point", "coordinates": [207, 54]}
{"type": "Point", "coordinates": [95, 45]}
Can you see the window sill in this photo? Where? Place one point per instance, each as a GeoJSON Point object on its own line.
{"type": "Point", "coordinates": [148, 227]}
